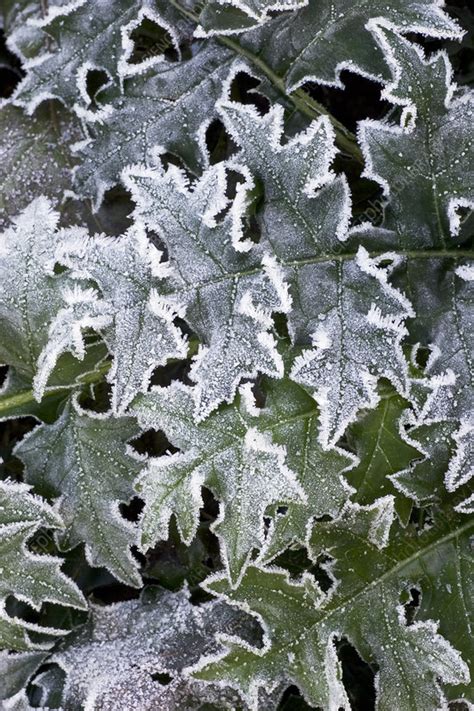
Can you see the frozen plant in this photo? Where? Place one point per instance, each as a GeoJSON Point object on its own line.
{"type": "Point", "coordinates": [236, 325]}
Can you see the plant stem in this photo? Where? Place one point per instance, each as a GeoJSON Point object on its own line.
{"type": "Point", "coordinates": [24, 397]}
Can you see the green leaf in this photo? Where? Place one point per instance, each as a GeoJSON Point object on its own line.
{"type": "Point", "coordinates": [34, 156]}
{"type": "Point", "coordinates": [447, 463]}
{"type": "Point", "coordinates": [292, 417]}
{"type": "Point", "coordinates": [380, 443]}
{"type": "Point", "coordinates": [319, 41]}
{"type": "Point", "coordinates": [424, 164]}
{"type": "Point", "coordinates": [167, 110]}
{"type": "Point", "coordinates": [302, 622]}
{"type": "Point", "coordinates": [30, 292]}
{"type": "Point", "coordinates": [306, 209]}
{"type": "Point", "coordinates": [233, 16]}
{"type": "Point", "coordinates": [226, 294]}
{"type": "Point", "coordinates": [17, 399]}
{"type": "Point", "coordinates": [443, 324]}
{"type": "Point", "coordinates": [423, 481]}
{"type": "Point", "coordinates": [42, 313]}
{"type": "Point", "coordinates": [272, 315]}
{"type": "Point", "coordinates": [83, 458]}
{"type": "Point", "coordinates": [31, 578]}
{"type": "Point", "coordinates": [227, 452]}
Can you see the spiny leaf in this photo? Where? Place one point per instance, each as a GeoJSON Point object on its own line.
{"type": "Point", "coordinates": [228, 296]}
{"type": "Point", "coordinates": [230, 455]}
{"type": "Point", "coordinates": [461, 466]}
{"type": "Point", "coordinates": [423, 481]}
{"type": "Point", "coordinates": [303, 623]}
{"type": "Point", "coordinates": [319, 41]}
{"type": "Point", "coordinates": [357, 342]}
{"type": "Point", "coordinates": [82, 36]}
{"type": "Point", "coordinates": [167, 110]}
{"type": "Point", "coordinates": [306, 209]}
{"type": "Point", "coordinates": [342, 302]}
{"type": "Point", "coordinates": [380, 444]}
{"type": "Point", "coordinates": [141, 335]}
{"type": "Point", "coordinates": [83, 458]}
{"type": "Point", "coordinates": [29, 577]}
{"type": "Point", "coordinates": [446, 465]}
{"type": "Point", "coordinates": [292, 417]}
{"type": "Point", "coordinates": [444, 324]}
{"type": "Point", "coordinates": [42, 314]}
{"type": "Point", "coordinates": [425, 163]}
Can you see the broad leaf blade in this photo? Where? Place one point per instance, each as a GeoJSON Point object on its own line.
{"type": "Point", "coordinates": [29, 577]}
{"type": "Point", "coordinates": [302, 622]}
{"type": "Point", "coordinates": [84, 459]}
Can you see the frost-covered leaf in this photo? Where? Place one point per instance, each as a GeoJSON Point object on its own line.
{"type": "Point", "coordinates": [232, 16]}
{"type": "Point", "coordinates": [383, 450]}
{"type": "Point", "coordinates": [357, 341]}
{"type": "Point", "coordinates": [17, 399]}
{"type": "Point", "coordinates": [444, 324]}
{"type": "Point", "coordinates": [342, 302]}
{"type": "Point", "coordinates": [30, 292]}
{"type": "Point", "coordinates": [112, 662]}
{"type": "Point", "coordinates": [461, 466]}
{"type": "Point", "coordinates": [303, 623]}
{"type": "Point", "coordinates": [423, 480]}
{"type": "Point", "coordinates": [35, 302]}
{"type": "Point", "coordinates": [425, 163]}
{"type": "Point", "coordinates": [306, 210]}
{"type": "Point", "coordinates": [317, 42]}
{"type": "Point", "coordinates": [80, 36]}
{"type": "Point", "coordinates": [168, 109]}
{"type": "Point", "coordinates": [16, 670]}
{"type": "Point", "coordinates": [81, 311]}
{"type": "Point", "coordinates": [228, 453]}
{"type": "Point", "coordinates": [292, 417]}
{"type": "Point", "coordinates": [31, 578]}
{"type": "Point", "coordinates": [298, 318]}
{"type": "Point", "coordinates": [83, 458]}
{"type": "Point", "coordinates": [34, 156]}
{"type": "Point", "coordinates": [141, 335]}
{"type": "Point", "coordinates": [228, 296]}
{"type": "Point", "coordinates": [446, 464]}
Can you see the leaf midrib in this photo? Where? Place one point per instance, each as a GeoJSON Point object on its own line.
{"type": "Point", "coordinates": [341, 257]}
{"type": "Point", "coordinates": [393, 572]}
